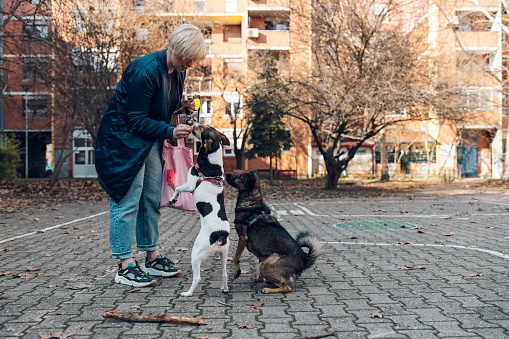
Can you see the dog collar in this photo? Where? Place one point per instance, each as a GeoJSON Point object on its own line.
{"type": "Point", "coordinates": [215, 180]}
{"type": "Point", "coordinates": [253, 216]}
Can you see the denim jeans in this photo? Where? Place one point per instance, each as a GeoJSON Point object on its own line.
{"type": "Point", "coordinates": [138, 212]}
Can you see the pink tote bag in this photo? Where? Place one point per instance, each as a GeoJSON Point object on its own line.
{"type": "Point", "coordinates": [176, 163]}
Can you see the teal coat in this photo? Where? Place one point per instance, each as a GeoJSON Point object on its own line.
{"type": "Point", "coordinates": [138, 116]}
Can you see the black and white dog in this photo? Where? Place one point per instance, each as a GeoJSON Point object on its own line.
{"type": "Point", "coordinates": [205, 180]}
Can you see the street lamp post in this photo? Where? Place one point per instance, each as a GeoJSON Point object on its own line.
{"type": "Point", "coordinates": [26, 88]}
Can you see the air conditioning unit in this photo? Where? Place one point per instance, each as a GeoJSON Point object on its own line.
{"type": "Point", "coordinates": [252, 32]}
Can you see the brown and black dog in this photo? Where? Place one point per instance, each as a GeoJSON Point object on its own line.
{"type": "Point", "coordinates": [281, 258]}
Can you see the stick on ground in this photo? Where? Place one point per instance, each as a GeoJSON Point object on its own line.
{"type": "Point", "coordinates": [155, 318]}
{"type": "Point", "coordinates": [318, 336]}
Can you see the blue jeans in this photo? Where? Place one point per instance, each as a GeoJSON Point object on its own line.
{"type": "Point", "coordinates": [138, 212]}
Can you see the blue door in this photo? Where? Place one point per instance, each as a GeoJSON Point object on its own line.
{"type": "Point", "coordinates": [467, 161]}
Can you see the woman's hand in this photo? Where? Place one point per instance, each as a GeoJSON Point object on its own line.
{"type": "Point", "coordinates": [182, 131]}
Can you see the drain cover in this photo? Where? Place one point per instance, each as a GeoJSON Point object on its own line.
{"type": "Point", "coordinates": [376, 225]}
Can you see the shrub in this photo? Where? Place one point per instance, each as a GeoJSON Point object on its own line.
{"type": "Point", "coordinates": [10, 158]}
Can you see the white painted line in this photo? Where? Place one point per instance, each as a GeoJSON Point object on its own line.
{"type": "Point", "coordinates": [308, 211]}
{"type": "Point", "coordinates": [282, 212]}
{"type": "Point", "coordinates": [52, 227]}
{"type": "Point", "coordinates": [296, 212]}
{"type": "Point", "coordinates": [495, 253]}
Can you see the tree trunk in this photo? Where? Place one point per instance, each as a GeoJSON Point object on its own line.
{"type": "Point", "coordinates": [384, 176]}
{"type": "Point", "coordinates": [270, 170]}
{"type": "Point", "coordinates": [505, 175]}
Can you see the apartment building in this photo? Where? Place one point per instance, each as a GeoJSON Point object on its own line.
{"type": "Point", "coordinates": [25, 95]}
{"type": "Point", "coordinates": [467, 40]}
{"type": "Point", "coordinates": [236, 32]}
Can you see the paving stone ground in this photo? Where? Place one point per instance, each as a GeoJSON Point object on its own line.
{"type": "Point", "coordinates": [444, 275]}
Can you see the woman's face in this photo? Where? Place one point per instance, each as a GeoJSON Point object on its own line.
{"type": "Point", "coordinates": [180, 64]}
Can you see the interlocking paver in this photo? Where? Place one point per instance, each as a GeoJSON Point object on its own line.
{"type": "Point", "coordinates": [460, 291]}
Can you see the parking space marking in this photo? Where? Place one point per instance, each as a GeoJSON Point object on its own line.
{"type": "Point", "coordinates": [52, 227]}
{"type": "Point", "coordinates": [495, 253]}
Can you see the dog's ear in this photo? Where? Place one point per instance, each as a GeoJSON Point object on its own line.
{"type": "Point", "coordinates": [224, 140]}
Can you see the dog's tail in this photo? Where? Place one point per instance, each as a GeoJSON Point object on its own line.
{"type": "Point", "coordinates": [220, 237]}
{"type": "Point", "coordinates": [306, 239]}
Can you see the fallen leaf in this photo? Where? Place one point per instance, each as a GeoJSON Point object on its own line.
{"type": "Point", "coordinates": [59, 217]}
{"type": "Point", "coordinates": [449, 234]}
{"type": "Point", "coordinates": [414, 267]}
{"type": "Point", "coordinates": [439, 241]}
{"type": "Point", "coordinates": [249, 327]}
{"type": "Point", "coordinates": [403, 243]}
{"type": "Point", "coordinates": [75, 253]}
{"type": "Point", "coordinates": [36, 219]}
{"type": "Point", "coordinates": [354, 238]}
{"type": "Point", "coordinates": [74, 279]}
{"type": "Point", "coordinates": [244, 272]}
{"type": "Point", "coordinates": [203, 269]}
{"type": "Point", "coordinates": [476, 275]}
{"type": "Point", "coordinates": [57, 335]}
{"type": "Point", "coordinates": [65, 232]}
{"type": "Point", "coordinates": [377, 315]}
{"type": "Point", "coordinates": [79, 287]}
{"type": "Point", "coordinates": [78, 228]}
{"type": "Point", "coordinates": [25, 275]}
{"type": "Point", "coordinates": [135, 290]}
{"type": "Point", "coordinates": [32, 269]}
{"type": "Point", "coordinates": [255, 303]}
{"type": "Point", "coordinates": [5, 273]}
{"type": "Point", "coordinates": [7, 249]}
{"type": "Point", "coordinates": [183, 249]}
{"type": "Point", "coordinates": [175, 261]}
{"type": "Point", "coordinates": [79, 237]}
{"type": "Point", "coordinates": [434, 224]}
{"type": "Point", "coordinates": [60, 313]}
{"type": "Point", "coordinates": [136, 306]}
{"type": "Point", "coordinates": [40, 231]}
{"type": "Point", "coordinates": [51, 286]}
{"type": "Point", "coordinates": [420, 231]}
{"type": "Point", "coordinates": [48, 254]}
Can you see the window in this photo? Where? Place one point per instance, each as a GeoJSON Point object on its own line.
{"type": "Point", "coordinates": [200, 6]}
{"type": "Point", "coordinates": [206, 108]}
{"type": "Point", "coordinates": [35, 106]}
{"type": "Point", "coordinates": [139, 6]}
{"type": "Point", "coordinates": [232, 34]}
{"type": "Point", "coordinates": [94, 60]}
{"type": "Point", "coordinates": [35, 31]}
{"type": "Point", "coordinates": [142, 34]}
{"type": "Point", "coordinates": [232, 68]}
{"type": "Point", "coordinates": [79, 158]}
{"type": "Point", "coordinates": [279, 23]}
{"type": "Point", "coordinates": [33, 69]}
{"type": "Point", "coordinates": [476, 99]}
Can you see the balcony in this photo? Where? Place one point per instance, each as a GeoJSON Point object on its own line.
{"type": "Point", "coordinates": [256, 5]}
{"type": "Point", "coordinates": [270, 39]}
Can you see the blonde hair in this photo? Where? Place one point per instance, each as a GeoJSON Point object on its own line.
{"type": "Point", "coordinates": [187, 42]}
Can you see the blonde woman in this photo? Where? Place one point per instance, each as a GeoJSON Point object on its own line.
{"type": "Point", "coordinates": [129, 150]}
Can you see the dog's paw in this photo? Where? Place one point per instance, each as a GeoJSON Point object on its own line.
{"type": "Point", "coordinates": [186, 294]}
{"type": "Point", "coordinates": [260, 279]}
{"type": "Point", "coordinates": [237, 274]}
{"type": "Point", "coordinates": [225, 290]}
{"type": "Point", "coordinates": [174, 198]}
{"type": "Point", "coordinates": [266, 290]}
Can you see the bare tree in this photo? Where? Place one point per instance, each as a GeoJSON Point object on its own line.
{"type": "Point", "coordinates": [366, 74]}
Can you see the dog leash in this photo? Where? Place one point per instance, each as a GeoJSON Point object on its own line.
{"type": "Point", "coordinates": [215, 180]}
